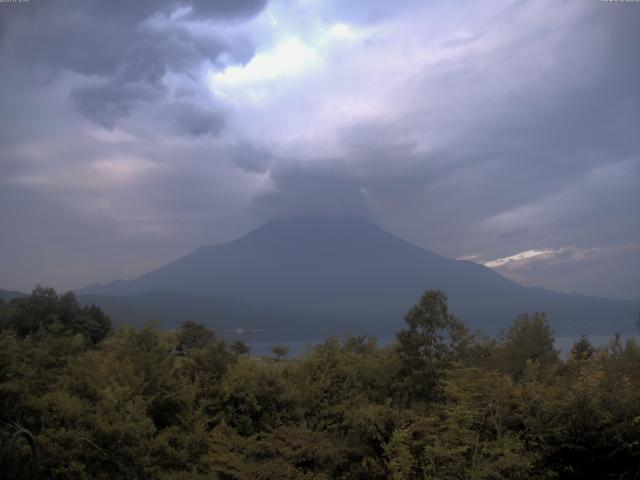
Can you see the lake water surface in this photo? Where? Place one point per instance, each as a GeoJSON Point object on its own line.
{"type": "Point", "coordinates": [564, 344]}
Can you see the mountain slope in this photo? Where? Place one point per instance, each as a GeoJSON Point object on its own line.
{"type": "Point", "coordinates": [352, 268]}
{"type": "Point", "coordinates": [313, 261]}
{"type": "Point", "coordinates": [264, 323]}
{"type": "Point", "coordinates": [7, 295]}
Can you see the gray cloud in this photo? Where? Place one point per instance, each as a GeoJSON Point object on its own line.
{"type": "Point", "coordinates": [127, 47]}
{"type": "Point", "coordinates": [610, 271]}
{"type": "Point", "coordinates": [196, 120]}
{"type": "Point", "coordinates": [464, 134]}
{"type": "Point", "coordinates": [323, 190]}
{"type": "Point", "coordinates": [107, 102]}
{"type": "Point", "coordinates": [252, 159]}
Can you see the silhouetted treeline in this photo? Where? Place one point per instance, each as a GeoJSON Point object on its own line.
{"type": "Point", "coordinates": [439, 403]}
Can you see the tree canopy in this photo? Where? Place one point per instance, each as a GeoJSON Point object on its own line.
{"type": "Point", "coordinates": [439, 403]}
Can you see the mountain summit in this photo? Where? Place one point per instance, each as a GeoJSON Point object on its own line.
{"type": "Point", "coordinates": [351, 268]}
{"type": "Point", "coordinates": [316, 262]}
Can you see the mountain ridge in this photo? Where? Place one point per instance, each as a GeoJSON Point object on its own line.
{"type": "Point", "coordinates": [7, 295]}
{"type": "Point", "coordinates": [347, 265]}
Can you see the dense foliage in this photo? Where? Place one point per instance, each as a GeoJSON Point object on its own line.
{"type": "Point", "coordinates": [439, 403]}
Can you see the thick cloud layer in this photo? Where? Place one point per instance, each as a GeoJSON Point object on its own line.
{"type": "Point", "coordinates": [475, 130]}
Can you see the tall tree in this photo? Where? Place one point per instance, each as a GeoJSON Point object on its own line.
{"type": "Point", "coordinates": [433, 338]}
{"type": "Point", "coordinates": [529, 339]}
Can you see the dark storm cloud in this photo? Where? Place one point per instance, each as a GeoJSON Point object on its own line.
{"type": "Point", "coordinates": [252, 159]}
{"type": "Point", "coordinates": [140, 71]}
{"type": "Point", "coordinates": [102, 38]}
{"type": "Point", "coordinates": [196, 120]}
{"type": "Point", "coordinates": [300, 189]}
{"type": "Point", "coordinates": [128, 47]}
{"type": "Point", "coordinates": [108, 102]}
{"type": "Point", "coordinates": [224, 8]}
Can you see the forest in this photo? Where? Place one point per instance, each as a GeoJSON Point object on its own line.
{"type": "Point", "coordinates": [441, 402]}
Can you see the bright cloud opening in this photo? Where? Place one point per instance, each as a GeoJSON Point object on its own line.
{"type": "Point", "coordinates": [518, 256]}
{"type": "Point", "coordinates": [288, 58]}
{"type": "Point", "coordinates": [342, 31]}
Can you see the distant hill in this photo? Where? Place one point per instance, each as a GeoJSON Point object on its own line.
{"type": "Point", "coordinates": [7, 295]}
{"type": "Point", "coordinates": [232, 319]}
{"type": "Point", "coordinates": [339, 272]}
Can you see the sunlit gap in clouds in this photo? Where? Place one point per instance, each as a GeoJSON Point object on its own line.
{"type": "Point", "coordinates": [294, 71]}
{"type": "Point", "coordinates": [519, 256]}
{"type": "Point", "coordinates": [289, 56]}
{"type": "Point", "coordinates": [565, 254]}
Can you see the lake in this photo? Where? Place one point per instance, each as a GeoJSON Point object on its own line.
{"type": "Point", "coordinates": [564, 344]}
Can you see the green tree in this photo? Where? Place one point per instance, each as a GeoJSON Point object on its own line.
{"type": "Point", "coordinates": [582, 349]}
{"type": "Point", "coordinates": [193, 335]}
{"type": "Point", "coordinates": [280, 351]}
{"type": "Point", "coordinates": [239, 347]}
{"type": "Point", "coordinates": [255, 397]}
{"type": "Point", "coordinates": [433, 338]}
{"type": "Point", "coordinates": [528, 339]}
{"type": "Point", "coordinates": [46, 313]}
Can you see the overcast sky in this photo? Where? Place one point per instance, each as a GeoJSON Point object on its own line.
{"type": "Point", "coordinates": [504, 132]}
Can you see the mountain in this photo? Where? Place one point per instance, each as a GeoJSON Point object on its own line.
{"type": "Point", "coordinates": [233, 319]}
{"type": "Point", "coordinates": [7, 295]}
{"type": "Point", "coordinates": [354, 275]}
